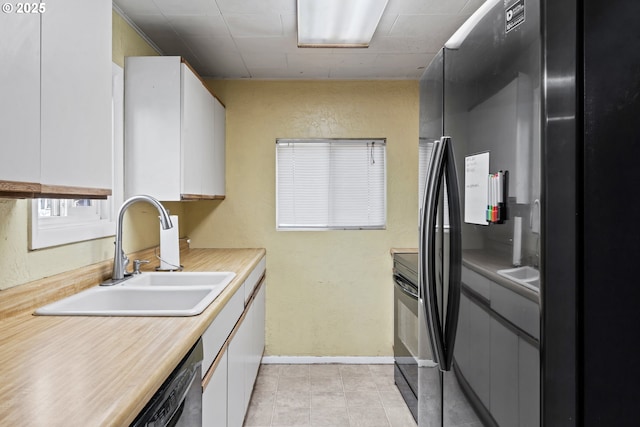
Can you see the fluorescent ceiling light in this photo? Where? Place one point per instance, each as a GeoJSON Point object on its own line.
{"type": "Point", "coordinates": [338, 23]}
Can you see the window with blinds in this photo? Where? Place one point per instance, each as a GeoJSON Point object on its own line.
{"type": "Point", "coordinates": [328, 184]}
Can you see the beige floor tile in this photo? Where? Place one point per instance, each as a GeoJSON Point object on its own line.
{"type": "Point", "coordinates": [381, 370]}
{"type": "Point", "coordinates": [330, 417]}
{"type": "Point", "coordinates": [330, 395]}
{"type": "Point", "coordinates": [333, 384]}
{"type": "Point", "coordinates": [400, 417]}
{"type": "Point", "coordinates": [258, 416]}
{"type": "Point", "coordinates": [293, 399]}
{"type": "Point", "coordinates": [359, 384]}
{"type": "Point", "coordinates": [294, 370]}
{"type": "Point", "coordinates": [326, 399]}
{"type": "Point", "coordinates": [294, 383]}
{"type": "Point", "coordinates": [368, 417]}
{"type": "Point", "coordinates": [363, 398]}
{"type": "Point", "coordinates": [269, 370]}
{"type": "Point", "coordinates": [266, 383]}
{"type": "Point", "coordinates": [324, 371]}
{"type": "Point", "coordinates": [263, 397]}
{"type": "Point", "coordinates": [291, 417]}
{"type": "Point", "coordinates": [385, 383]}
{"type": "Point", "coordinates": [391, 399]}
{"type": "Point", "coordinates": [355, 371]}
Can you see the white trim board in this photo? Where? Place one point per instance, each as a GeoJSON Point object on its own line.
{"type": "Point", "coordinates": [316, 360]}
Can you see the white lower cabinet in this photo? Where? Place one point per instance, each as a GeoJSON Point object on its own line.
{"type": "Point", "coordinates": [214, 395]}
{"type": "Point", "coordinates": [239, 349]}
{"type": "Point", "coordinates": [229, 380]}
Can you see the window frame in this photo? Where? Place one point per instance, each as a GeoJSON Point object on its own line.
{"type": "Point", "coordinates": [45, 232]}
{"type": "Point", "coordinates": [331, 197]}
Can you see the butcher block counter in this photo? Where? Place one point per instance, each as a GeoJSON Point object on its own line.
{"type": "Point", "coordinates": [96, 371]}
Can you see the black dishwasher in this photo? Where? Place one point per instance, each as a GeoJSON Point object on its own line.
{"type": "Point", "coordinates": [178, 402]}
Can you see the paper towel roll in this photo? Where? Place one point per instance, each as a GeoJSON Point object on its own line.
{"type": "Point", "coordinates": [169, 246]}
{"type": "Point", "coordinates": [517, 241]}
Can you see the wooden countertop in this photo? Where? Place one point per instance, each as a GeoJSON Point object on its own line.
{"type": "Point", "coordinates": [99, 371]}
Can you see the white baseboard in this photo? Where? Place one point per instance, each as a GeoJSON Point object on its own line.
{"type": "Point", "coordinates": [312, 360]}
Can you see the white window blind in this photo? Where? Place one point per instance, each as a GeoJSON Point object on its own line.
{"type": "Point", "coordinates": [330, 184]}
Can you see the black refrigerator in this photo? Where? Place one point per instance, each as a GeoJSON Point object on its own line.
{"type": "Point", "coordinates": [529, 291]}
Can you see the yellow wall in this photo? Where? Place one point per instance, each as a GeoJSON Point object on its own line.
{"type": "Point", "coordinates": [19, 265]}
{"type": "Point", "coordinates": [329, 293]}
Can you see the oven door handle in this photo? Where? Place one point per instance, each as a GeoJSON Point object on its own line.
{"type": "Point", "coordinates": [406, 287]}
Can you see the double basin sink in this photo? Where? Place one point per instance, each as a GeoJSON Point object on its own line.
{"type": "Point", "coordinates": [146, 294]}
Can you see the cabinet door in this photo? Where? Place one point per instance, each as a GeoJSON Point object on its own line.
{"type": "Point", "coordinates": [20, 101]}
{"type": "Point", "coordinates": [257, 336]}
{"type": "Point", "coordinates": [504, 375]}
{"type": "Point", "coordinates": [75, 100]}
{"type": "Point", "coordinates": [237, 362]}
{"type": "Point", "coordinates": [480, 352]}
{"type": "Point", "coordinates": [214, 396]}
{"type": "Point", "coordinates": [197, 134]}
{"type": "Point", "coordinates": [152, 127]}
{"type": "Point", "coordinates": [528, 384]}
{"type": "Point", "coordinates": [219, 165]}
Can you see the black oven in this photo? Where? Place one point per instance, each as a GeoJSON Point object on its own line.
{"type": "Point", "coordinates": [406, 327]}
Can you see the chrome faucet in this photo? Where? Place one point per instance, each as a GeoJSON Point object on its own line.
{"type": "Point", "coordinates": [120, 260]}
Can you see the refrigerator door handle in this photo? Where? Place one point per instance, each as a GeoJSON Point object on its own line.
{"type": "Point", "coordinates": [427, 275]}
{"type": "Point", "coordinates": [455, 254]}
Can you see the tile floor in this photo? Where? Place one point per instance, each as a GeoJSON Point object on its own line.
{"type": "Point", "coordinates": [327, 395]}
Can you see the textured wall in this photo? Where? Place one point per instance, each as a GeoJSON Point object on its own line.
{"type": "Point", "coordinates": [329, 292]}
{"type": "Point", "coordinates": [19, 265]}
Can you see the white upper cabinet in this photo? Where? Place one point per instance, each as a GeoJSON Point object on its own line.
{"type": "Point", "coordinates": [76, 106]}
{"type": "Point", "coordinates": [55, 108]}
{"type": "Point", "coordinates": [174, 132]}
{"type": "Point", "coordinates": [20, 102]}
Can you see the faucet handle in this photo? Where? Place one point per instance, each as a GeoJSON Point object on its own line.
{"type": "Point", "coordinates": [137, 263]}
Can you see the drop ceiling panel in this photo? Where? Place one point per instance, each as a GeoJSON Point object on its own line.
{"type": "Point", "coordinates": [254, 25]}
{"type": "Point", "coordinates": [189, 7]}
{"type": "Point", "coordinates": [258, 38]}
{"type": "Point", "coordinates": [199, 26]}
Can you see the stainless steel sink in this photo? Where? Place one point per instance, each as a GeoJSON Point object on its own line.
{"type": "Point", "coordinates": [149, 294]}
{"type": "Point", "coordinates": [526, 276]}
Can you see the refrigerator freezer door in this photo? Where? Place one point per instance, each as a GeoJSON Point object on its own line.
{"type": "Point", "coordinates": [492, 87]}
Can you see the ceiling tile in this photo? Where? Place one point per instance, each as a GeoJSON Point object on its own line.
{"type": "Point", "coordinates": [404, 45]}
{"type": "Point", "coordinates": [224, 65]}
{"type": "Point", "coordinates": [409, 60]}
{"type": "Point", "coordinates": [190, 7]}
{"type": "Point", "coordinates": [199, 26]}
{"type": "Point", "coordinates": [257, 6]}
{"type": "Point", "coordinates": [267, 44]}
{"type": "Point", "coordinates": [155, 27]}
{"type": "Point", "coordinates": [440, 27]}
{"type": "Point", "coordinates": [297, 60]}
{"type": "Point", "coordinates": [138, 7]}
{"type": "Point", "coordinates": [425, 7]}
{"type": "Point", "coordinates": [257, 38]}
{"type": "Point", "coordinates": [265, 60]}
{"type": "Point", "coordinates": [289, 24]}
{"type": "Point", "coordinates": [254, 25]}
{"type": "Point", "coordinates": [205, 46]}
